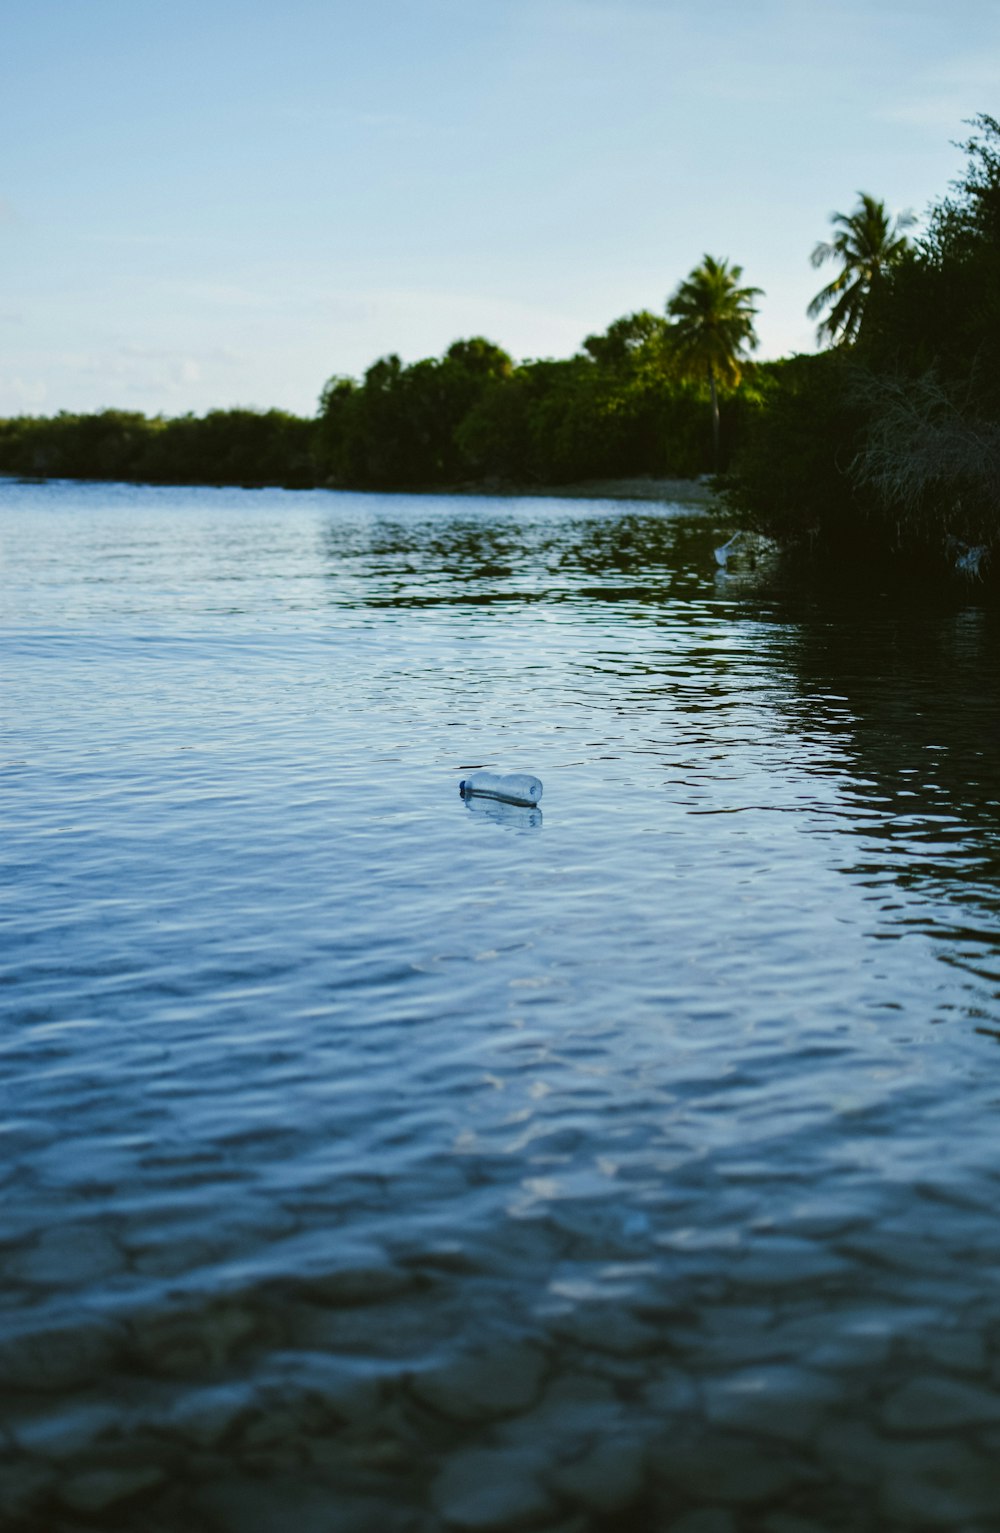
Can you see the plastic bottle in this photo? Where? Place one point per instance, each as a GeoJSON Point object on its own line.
{"type": "Point", "coordinates": [508, 787]}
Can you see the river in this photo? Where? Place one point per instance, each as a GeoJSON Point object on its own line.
{"type": "Point", "coordinates": [375, 1161]}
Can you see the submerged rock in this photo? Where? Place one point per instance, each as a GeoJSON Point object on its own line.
{"type": "Point", "coordinates": [183, 1343]}
{"type": "Point", "coordinates": [608, 1329]}
{"type": "Point", "coordinates": [67, 1257]}
{"type": "Point", "coordinates": [482, 1385]}
{"type": "Point", "coordinates": [931, 1483]}
{"type": "Point", "coordinates": [782, 1402]}
{"type": "Point", "coordinates": [706, 1519]}
{"type": "Point", "coordinates": [940, 1405]}
{"type": "Point", "coordinates": [23, 1485]}
{"type": "Point", "coordinates": [57, 1357]}
{"type": "Point", "coordinates": [204, 1416]}
{"type": "Point", "coordinates": [484, 1489]}
{"type": "Point", "coordinates": [63, 1434]}
{"type": "Point", "coordinates": [608, 1478]}
{"type": "Point", "coordinates": [98, 1490]}
{"type": "Point", "coordinates": [725, 1467]}
{"type": "Point", "coordinates": [290, 1504]}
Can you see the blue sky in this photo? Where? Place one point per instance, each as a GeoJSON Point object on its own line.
{"type": "Point", "coordinates": [225, 202]}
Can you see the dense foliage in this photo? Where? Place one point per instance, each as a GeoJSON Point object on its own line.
{"type": "Point", "coordinates": [891, 444]}
{"type": "Point", "coordinates": [222, 447]}
{"type": "Point", "coordinates": [623, 405]}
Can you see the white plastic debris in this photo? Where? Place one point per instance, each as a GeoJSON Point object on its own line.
{"type": "Point", "coordinates": [722, 554]}
{"type": "Point", "coordinates": [508, 787]}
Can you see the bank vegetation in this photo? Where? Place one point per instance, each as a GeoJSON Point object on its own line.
{"type": "Point", "coordinates": [886, 446]}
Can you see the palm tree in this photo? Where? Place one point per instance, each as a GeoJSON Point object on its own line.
{"type": "Point", "coordinates": [713, 323]}
{"type": "Point", "coordinates": [867, 243]}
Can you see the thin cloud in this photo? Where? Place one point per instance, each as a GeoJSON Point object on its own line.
{"type": "Point", "coordinates": [940, 114]}
{"type": "Point", "coordinates": [233, 295]}
{"type": "Point", "coordinates": [22, 394]}
{"type": "Point", "coordinates": [226, 354]}
{"type": "Point", "coordinates": [946, 98]}
{"type": "Point", "coordinates": [136, 369]}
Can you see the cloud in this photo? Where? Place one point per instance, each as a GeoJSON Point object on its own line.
{"type": "Point", "coordinates": [942, 113]}
{"type": "Point", "coordinates": [945, 98]}
{"type": "Point", "coordinates": [130, 354]}
{"type": "Point", "coordinates": [172, 375]}
{"type": "Point", "coordinates": [232, 295]}
{"type": "Point", "coordinates": [136, 369]}
{"type": "Point", "coordinates": [18, 394]}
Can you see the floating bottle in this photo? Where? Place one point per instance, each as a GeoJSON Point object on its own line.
{"type": "Point", "coordinates": [508, 787]}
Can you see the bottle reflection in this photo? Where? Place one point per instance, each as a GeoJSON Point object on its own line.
{"type": "Point", "coordinates": [515, 816]}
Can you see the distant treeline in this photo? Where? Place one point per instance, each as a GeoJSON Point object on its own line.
{"type": "Point", "coordinates": [223, 447]}
{"type": "Point", "coordinates": [622, 406]}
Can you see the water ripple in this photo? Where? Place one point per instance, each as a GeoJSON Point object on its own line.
{"type": "Point", "coordinates": [353, 1131]}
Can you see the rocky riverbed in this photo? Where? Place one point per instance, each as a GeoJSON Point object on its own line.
{"type": "Point", "coordinates": [653, 1382]}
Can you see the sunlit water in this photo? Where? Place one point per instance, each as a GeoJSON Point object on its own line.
{"type": "Point", "coordinates": [373, 1160]}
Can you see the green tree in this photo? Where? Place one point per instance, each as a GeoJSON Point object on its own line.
{"type": "Point", "coordinates": [868, 243]}
{"type": "Point", "coordinates": [398, 428]}
{"type": "Point", "coordinates": [629, 343]}
{"type": "Point", "coordinates": [713, 325]}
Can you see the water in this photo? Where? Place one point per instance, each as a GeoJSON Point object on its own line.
{"type": "Point", "coordinates": [378, 1160]}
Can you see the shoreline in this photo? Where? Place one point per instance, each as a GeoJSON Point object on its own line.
{"type": "Point", "coordinates": [693, 492]}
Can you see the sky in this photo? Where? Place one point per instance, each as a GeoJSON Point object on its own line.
{"type": "Point", "coordinates": [212, 203]}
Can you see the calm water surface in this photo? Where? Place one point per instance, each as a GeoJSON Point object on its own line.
{"type": "Point", "coordinates": [372, 1160]}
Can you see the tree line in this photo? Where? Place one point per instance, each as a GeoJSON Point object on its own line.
{"type": "Point", "coordinates": [646, 396]}
{"type": "Point", "coordinates": [223, 447]}
{"type": "Point", "coordinates": [631, 402]}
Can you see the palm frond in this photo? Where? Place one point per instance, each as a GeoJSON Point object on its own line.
{"type": "Point", "coordinates": [867, 243]}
